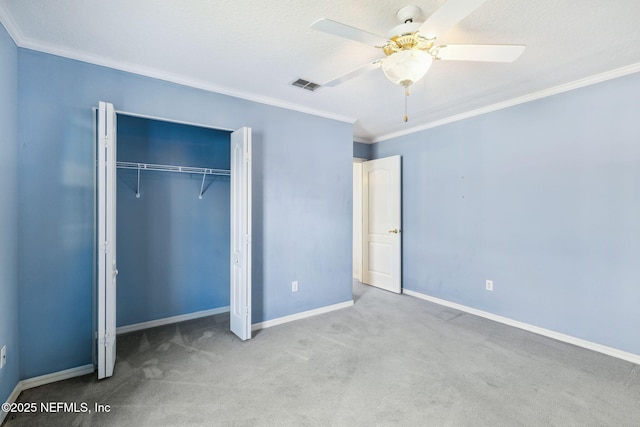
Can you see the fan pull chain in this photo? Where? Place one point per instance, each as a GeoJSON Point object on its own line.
{"type": "Point", "coordinates": [406, 95]}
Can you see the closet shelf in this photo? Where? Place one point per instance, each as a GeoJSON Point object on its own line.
{"type": "Point", "coordinates": [170, 168]}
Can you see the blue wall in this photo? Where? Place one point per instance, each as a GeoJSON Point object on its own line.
{"type": "Point", "coordinates": [8, 213]}
{"type": "Point", "coordinates": [173, 248]}
{"type": "Point", "coordinates": [302, 173]}
{"type": "Point", "coordinates": [362, 151]}
{"type": "Point", "coordinates": [544, 199]}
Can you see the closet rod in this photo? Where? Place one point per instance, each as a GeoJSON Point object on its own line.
{"type": "Point", "coordinates": [171, 168]}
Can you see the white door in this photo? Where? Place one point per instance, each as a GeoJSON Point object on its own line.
{"type": "Point", "coordinates": [240, 304]}
{"type": "Point", "coordinates": [381, 248]}
{"type": "Point", "coordinates": [106, 250]}
{"type": "Point", "coordinates": [357, 221]}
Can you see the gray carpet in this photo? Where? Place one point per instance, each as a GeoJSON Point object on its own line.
{"type": "Point", "coordinates": [389, 360]}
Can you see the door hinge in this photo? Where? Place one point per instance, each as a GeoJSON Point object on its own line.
{"type": "Point", "coordinates": [107, 340]}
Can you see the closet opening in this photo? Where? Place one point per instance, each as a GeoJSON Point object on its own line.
{"type": "Point", "coordinates": [173, 226]}
{"type": "Point", "coordinates": [173, 222]}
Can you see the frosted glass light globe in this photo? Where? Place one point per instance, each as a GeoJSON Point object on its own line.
{"type": "Point", "coordinates": [406, 66]}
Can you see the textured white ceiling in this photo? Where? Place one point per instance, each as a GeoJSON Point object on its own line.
{"type": "Point", "coordinates": [256, 49]}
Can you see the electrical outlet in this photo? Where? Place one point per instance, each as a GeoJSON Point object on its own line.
{"type": "Point", "coordinates": [294, 286]}
{"type": "Point", "coordinates": [489, 285]}
{"type": "Point", "coordinates": [3, 356]}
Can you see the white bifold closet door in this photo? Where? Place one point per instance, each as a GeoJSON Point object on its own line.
{"type": "Point", "coordinates": [107, 269]}
{"type": "Point", "coordinates": [240, 304]}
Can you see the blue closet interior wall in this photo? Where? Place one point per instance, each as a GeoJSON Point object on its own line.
{"type": "Point", "coordinates": [173, 247]}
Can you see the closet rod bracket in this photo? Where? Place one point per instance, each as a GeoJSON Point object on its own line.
{"type": "Point", "coordinates": [204, 175]}
{"type": "Point", "coordinates": [138, 189]}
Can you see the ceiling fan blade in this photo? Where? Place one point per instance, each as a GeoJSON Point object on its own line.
{"type": "Point", "coordinates": [480, 52]}
{"type": "Point", "coordinates": [448, 15]}
{"type": "Point", "coordinates": [348, 32]}
{"type": "Point", "coordinates": [353, 74]}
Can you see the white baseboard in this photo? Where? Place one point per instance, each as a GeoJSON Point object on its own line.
{"type": "Point", "coordinates": [301, 315]}
{"type": "Point", "coordinates": [12, 398]}
{"type": "Point", "coordinates": [169, 320]}
{"type": "Point", "coordinates": [610, 351]}
{"type": "Point", "coordinates": [56, 376]}
{"type": "Point", "coordinates": [45, 379]}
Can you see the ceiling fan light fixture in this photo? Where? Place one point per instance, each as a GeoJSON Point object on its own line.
{"type": "Point", "coordinates": [407, 66]}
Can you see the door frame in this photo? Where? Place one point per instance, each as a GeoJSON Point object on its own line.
{"type": "Point", "coordinates": [96, 249]}
{"type": "Point", "coordinates": [391, 236]}
{"type": "Point", "coordinates": [357, 219]}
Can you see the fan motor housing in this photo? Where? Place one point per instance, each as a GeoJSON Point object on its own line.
{"type": "Point", "coordinates": [409, 13]}
{"type": "Point", "coordinates": [403, 29]}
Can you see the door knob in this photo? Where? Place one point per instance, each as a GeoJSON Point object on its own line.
{"type": "Point", "coordinates": [394, 231]}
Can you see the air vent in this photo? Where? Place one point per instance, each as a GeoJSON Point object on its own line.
{"type": "Point", "coordinates": [304, 84]}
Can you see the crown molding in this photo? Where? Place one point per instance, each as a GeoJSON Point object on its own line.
{"type": "Point", "coordinates": [361, 140]}
{"type": "Point", "coordinates": [181, 80]}
{"type": "Point", "coordinates": [10, 25]}
{"type": "Point", "coordinates": [26, 43]}
{"type": "Point", "coordinates": [23, 42]}
{"type": "Point", "coordinates": [576, 84]}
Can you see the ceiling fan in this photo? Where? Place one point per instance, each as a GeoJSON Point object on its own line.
{"type": "Point", "coordinates": [411, 46]}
